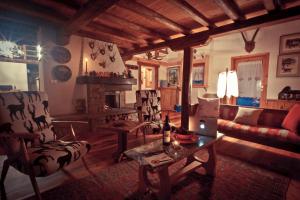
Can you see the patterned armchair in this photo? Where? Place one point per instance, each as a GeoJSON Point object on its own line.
{"type": "Point", "coordinates": [29, 139]}
{"type": "Point", "coordinates": [148, 106]}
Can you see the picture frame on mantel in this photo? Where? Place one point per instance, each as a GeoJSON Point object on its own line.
{"type": "Point", "coordinates": [288, 65]}
{"type": "Point", "coordinates": [289, 43]}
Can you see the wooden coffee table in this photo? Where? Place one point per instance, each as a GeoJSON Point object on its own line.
{"type": "Point", "coordinates": [123, 128]}
{"type": "Point", "coordinates": [186, 151]}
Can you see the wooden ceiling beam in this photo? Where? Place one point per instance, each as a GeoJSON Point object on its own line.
{"type": "Point", "coordinates": [271, 5]}
{"type": "Point", "coordinates": [58, 6]}
{"type": "Point", "coordinates": [116, 32]}
{"type": "Point", "coordinates": [134, 27]}
{"type": "Point", "coordinates": [193, 13]}
{"type": "Point", "coordinates": [201, 37]}
{"type": "Point", "coordinates": [101, 37]}
{"type": "Point", "coordinates": [142, 10]}
{"type": "Point", "coordinates": [231, 9]}
{"type": "Point", "coordinates": [33, 10]}
{"type": "Point", "coordinates": [87, 13]}
{"type": "Point", "coordinates": [12, 16]}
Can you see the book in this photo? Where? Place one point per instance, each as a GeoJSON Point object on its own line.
{"type": "Point", "coordinates": [159, 159]}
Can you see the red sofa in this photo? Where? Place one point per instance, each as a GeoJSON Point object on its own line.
{"type": "Point", "coordinates": [267, 132]}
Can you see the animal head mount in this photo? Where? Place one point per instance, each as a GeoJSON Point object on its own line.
{"type": "Point", "coordinates": [250, 44]}
{"type": "Point", "coordinates": [112, 57]}
{"type": "Point", "coordinates": [101, 49]}
{"type": "Point", "coordinates": [110, 47]}
{"type": "Point", "coordinates": [102, 64]}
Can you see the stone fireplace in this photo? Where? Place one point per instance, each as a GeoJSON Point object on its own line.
{"type": "Point", "coordinates": [103, 100]}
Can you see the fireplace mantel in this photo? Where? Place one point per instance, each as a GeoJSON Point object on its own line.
{"type": "Point", "coordinates": [105, 80]}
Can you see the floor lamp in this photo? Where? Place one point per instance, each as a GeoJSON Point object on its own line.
{"type": "Point", "coordinates": [227, 85]}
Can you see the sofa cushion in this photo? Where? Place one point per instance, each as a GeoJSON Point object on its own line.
{"type": "Point", "coordinates": [208, 107]}
{"type": "Point", "coordinates": [260, 131]}
{"type": "Point", "coordinates": [248, 116]}
{"type": "Point", "coordinates": [52, 156]}
{"type": "Point", "coordinates": [292, 119]}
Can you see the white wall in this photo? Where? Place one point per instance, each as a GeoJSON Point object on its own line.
{"type": "Point", "coordinates": [14, 74]}
{"type": "Point", "coordinates": [221, 49]}
{"type": "Point", "coordinates": [93, 65]}
{"type": "Point", "coordinates": [62, 95]}
{"type": "Point", "coordinates": [267, 41]}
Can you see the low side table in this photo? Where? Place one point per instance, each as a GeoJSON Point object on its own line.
{"type": "Point", "coordinates": [122, 128]}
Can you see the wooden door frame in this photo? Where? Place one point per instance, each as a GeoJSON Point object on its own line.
{"type": "Point", "coordinates": [148, 64]}
{"type": "Point", "coordinates": [264, 57]}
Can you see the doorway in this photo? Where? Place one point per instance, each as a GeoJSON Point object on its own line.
{"type": "Point", "coordinates": [148, 76]}
{"type": "Point", "coordinates": [252, 72]}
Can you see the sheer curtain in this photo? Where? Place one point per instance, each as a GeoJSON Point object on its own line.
{"type": "Point", "coordinates": [249, 78]}
{"type": "Point", "coordinates": [227, 84]}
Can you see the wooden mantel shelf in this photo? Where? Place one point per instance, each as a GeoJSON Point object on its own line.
{"type": "Point", "coordinates": [105, 80]}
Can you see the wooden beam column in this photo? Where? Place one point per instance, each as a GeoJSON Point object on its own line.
{"type": "Point", "coordinates": [185, 96]}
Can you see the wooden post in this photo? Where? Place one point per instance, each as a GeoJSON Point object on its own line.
{"type": "Point", "coordinates": [187, 67]}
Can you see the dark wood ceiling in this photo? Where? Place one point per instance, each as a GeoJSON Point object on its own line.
{"type": "Point", "coordinates": [137, 26]}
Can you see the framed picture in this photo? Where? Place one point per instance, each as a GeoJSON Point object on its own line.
{"type": "Point", "coordinates": [289, 43]}
{"type": "Point", "coordinates": [173, 76]}
{"type": "Point", "coordinates": [198, 75]}
{"type": "Point", "coordinates": [288, 65]}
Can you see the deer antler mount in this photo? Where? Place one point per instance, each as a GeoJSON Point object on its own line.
{"type": "Point", "coordinates": [250, 44]}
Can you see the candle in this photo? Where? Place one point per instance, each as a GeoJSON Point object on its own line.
{"type": "Point", "coordinates": [175, 143]}
{"type": "Point", "coordinates": [86, 60]}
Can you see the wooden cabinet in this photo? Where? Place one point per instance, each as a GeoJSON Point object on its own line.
{"type": "Point", "coordinates": [169, 97]}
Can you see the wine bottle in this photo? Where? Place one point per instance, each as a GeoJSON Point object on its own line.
{"type": "Point", "coordinates": [166, 132]}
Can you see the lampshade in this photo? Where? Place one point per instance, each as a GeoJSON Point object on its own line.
{"type": "Point", "coordinates": [227, 84]}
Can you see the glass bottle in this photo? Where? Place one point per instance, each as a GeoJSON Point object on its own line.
{"type": "Point", "coordinates": [166, 132]}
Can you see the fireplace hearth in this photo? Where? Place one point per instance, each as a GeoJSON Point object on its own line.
{"type": "Point", "coordinates": [112, 99]}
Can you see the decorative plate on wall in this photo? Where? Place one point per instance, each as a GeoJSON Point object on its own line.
{"type": "Point", "coordinates": [61, 54]}
{"type": "Point", "coordinates": [61, 73]}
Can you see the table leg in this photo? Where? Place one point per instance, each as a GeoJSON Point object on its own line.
{"type": "Point", "coordinates": [142, 180]}
{"type": "Point", "coordinates": [189, 160]}
{"type": "Point", "coordinates": [165, 184]}
{"type": "Point", "coordinates": [122, 144]}
{"type": "Point", "coordinates": [210, 165]}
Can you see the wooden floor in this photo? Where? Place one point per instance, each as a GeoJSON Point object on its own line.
{"type": "Point", "coordinates": [104, 145]}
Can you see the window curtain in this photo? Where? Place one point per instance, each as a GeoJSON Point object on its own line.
{"type": "Point", "coordinates": [227, 84]}
{"type": "Point", "coordinates": [249, 78]}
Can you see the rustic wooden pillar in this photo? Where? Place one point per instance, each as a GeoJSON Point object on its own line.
{"type": "Point", "coordinates": [185, 96]}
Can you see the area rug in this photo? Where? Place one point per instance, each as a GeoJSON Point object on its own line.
{"type": "Point", "coordinates": [235, 180]}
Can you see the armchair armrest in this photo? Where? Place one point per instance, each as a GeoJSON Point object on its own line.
{"type": "Point", "coordinates": [64, 128]}
{"type": "Point", "coordinates": [27, 136]}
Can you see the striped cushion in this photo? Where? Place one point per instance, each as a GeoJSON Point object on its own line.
{"type": "Point", "coordinates": [276, 133]}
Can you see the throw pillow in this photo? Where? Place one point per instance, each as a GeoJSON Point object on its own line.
{"type": "Point", "coordinates": [208, 107]}
{"type": "Point", "coordinates": [292, 119]}
{"type": "Point", "coordinates": [247, 116]}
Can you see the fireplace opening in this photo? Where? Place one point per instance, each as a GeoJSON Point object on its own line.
{"type": "Point", "coordinates": [112, 99]}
